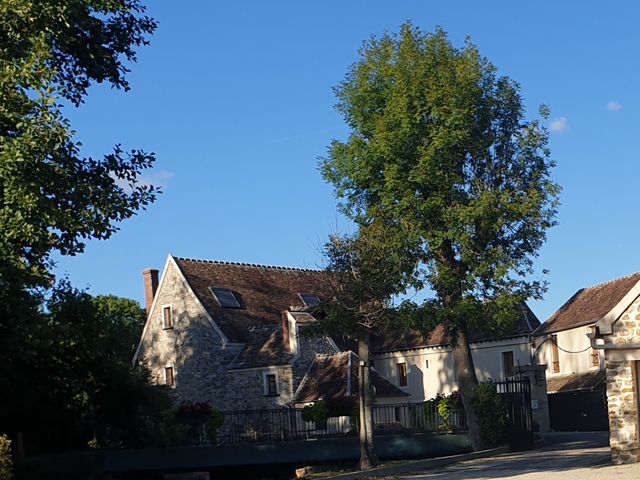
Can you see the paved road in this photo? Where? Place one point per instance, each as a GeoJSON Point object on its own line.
{"type": "Point", "coordinates": [564, 457]}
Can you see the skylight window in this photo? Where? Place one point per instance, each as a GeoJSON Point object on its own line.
{"type": "Point", "coordinates": [309, 299]}
{"type": "Point", "coordinates": [225, 297]}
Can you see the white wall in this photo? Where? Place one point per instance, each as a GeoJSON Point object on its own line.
{"type": "Point", "coordinates": [424, 383]}
{"type": "Point", "coordinates": [573, 340]}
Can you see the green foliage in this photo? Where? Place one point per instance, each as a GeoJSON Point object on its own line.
{"type": "Point", "coordinates": [491, 412]}
{"type": "Point", "coordinates": [6, 464]}
{"type": "Point", "coordinates": [445, 406]}
{"type": "Point", "coordinates": [366, 271]}
{"type": "Point", "coordinates": [57, 363]}
{"type": "Point", "coordinates": [215, 421]}
{"type": "Point", "coordinates": [79, 385]}
{"type": "Point", "coordinates": [440, 149]}
{"type": "Point", "coordinates": [53, 198]}
{"type": "Point", "coordinates": [317, 413]}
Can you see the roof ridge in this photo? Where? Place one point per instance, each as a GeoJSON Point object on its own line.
{"type": "Point", "coordinates": [613, 280]}
{"type": "Point", "coordinates": [247, 264]}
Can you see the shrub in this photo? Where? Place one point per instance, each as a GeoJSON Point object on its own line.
{"type": "Point", "coordinates": [445, 406]}
{"type": "Point", "coordinates": [317, 413]}
{"type": "Point", "coordinates": [491, 412]}
{"type": "Point", "coordinates": [6, 471]}
{"type": "Point", "coordinates": [215, 421]}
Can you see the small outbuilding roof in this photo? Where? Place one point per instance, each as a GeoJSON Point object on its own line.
{"type": "Point", "coordinates": [333, 378]}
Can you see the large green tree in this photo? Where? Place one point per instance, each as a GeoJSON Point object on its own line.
{"type": "Point", "coordinates": [440, 143]}
{"type": "Point", "coordinates": [52, 198]}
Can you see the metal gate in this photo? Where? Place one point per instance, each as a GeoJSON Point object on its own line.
{"type": "Point", "coordinates": [516, 395]}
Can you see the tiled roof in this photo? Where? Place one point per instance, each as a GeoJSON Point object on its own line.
{"type": "Point", "coordinates": [588, 305]}
{"type": "Point", "coordinates": [576, 382]}
{"type": "Point", "coordinates": [264, 292]}
{"type": "Point", "coordinates": [331, 379]}
{"type": "Point", "coordinates": [527, 323]}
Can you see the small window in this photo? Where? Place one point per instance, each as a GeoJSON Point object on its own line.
{"type": "Point", "coordinates": [225, 297]}
{"type": "Point", "coordinates": [507, 364]}
{"type": "Point", "coordinates": [402, 374]}
{"type": "Point", "coordinates": [555, 354]}
{"type": "Point", "coordinates": [595, 358]}
{"type": "Point", "coordinates": [168, 376]}
{"type": "Point", "coordinates": [167, 318]}
{"type": "Point", "coordinates": [309, 299]}
{"type": "Point", "coordinates": [271, 385]}
{"type": "Point", "coordinates": [426, 364]}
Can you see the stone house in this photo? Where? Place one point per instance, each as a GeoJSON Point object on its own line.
{"type": "Point", "coordinates": [233, 334]}
{"type": "Point", "coordinates": [616, 334]}
{"type": "Point", "coordinates": [575, 370]}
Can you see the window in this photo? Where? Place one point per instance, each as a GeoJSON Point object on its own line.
{"type": "Point", "coordinates": [595, 358]}
{"type": "Point", "coordinates": [402, 374]}
{"type": "Point", "coordinates": [225, 297]}
{"type": "Point", "coordinates": [507, 364]}
{"type": "Point", "coordinates": [426, 364]}
{"type": "Point", "coordinates": [168, 376]}
{"type": "Point", "coordinates": [309, 299]}
{"type": "Point", "coordinates": [167, 319]}
{"type": "Point", "coordinates": [555, 354]}
{"type": "Point", "coordinates": [271, 385]}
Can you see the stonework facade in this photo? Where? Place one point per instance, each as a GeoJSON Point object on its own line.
{"type": "Point", "coordinates": [201, 357]}
{"type": "Point", "coordinates": [622, 359]}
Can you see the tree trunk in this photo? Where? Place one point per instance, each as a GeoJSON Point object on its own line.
{"type": "Point", "coordinates": [467, 380]}
{"type": "Point", "coordinates": [365, 398]}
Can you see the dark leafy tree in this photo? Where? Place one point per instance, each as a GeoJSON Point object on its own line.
{"type": "Point", "coordinates": [52, 199]}
{"type": "Point", "coordinates": [440, 144]}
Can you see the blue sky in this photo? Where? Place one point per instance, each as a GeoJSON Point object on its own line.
{"type": "Point", "coordinates": [235, 98]}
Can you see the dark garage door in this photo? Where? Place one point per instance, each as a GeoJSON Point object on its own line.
{"type": "Point", "coordinates": [578, 411]}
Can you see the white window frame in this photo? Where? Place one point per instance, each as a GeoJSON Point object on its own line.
{"type": "Point", "coordinates": [164, 325]}
{"type": "Point", "coordinates": [265, 383]}
{"type": "Point", "coordinates": [173, 375]}
{"type": "Point", "coordinates": [513, 366]}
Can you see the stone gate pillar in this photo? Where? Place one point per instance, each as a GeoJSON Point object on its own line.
{"type": "Point", "coordinates": [539, 403]}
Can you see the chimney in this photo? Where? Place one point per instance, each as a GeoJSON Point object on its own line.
{"type": "Point", "coordinates": [150, 276]}
{"type": "Point", "coordinates": [285, 332]}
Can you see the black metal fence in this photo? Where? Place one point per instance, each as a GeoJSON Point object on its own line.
{"type": "Point", "coordinates": [269, 425]}
{"type": "Point", "coordinates": [516, 395]}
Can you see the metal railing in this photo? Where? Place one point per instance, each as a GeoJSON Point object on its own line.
{"type": "Point", "coordinates": [271, 425]}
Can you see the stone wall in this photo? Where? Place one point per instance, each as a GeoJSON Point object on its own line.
{"type": "Point", "coordinates": [309, 347]}
{"type": "Point", "coordinates": [539, 399]}
{"type": "Point", "coordinates": [192, 347]}
{"type": "Point", "coordinates": [623, 412]}
{"type": "Point", "coordinates": [622, 388]}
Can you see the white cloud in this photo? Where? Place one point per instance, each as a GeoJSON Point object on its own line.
{"type": "Point", "coordinates": [159, 179]}
{"type": "Point", "coordinates": [559, 125]}
{"type": "Point", "coordinates": [613, 106]}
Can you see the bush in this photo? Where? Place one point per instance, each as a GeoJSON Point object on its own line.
{"type": "Point", "coordinates": [317, 413]}
{"type": "Point", "coordinates": [445, 406]}
{"type": "Point", "coordinates": [215, 421]}
{"type": "Point", "coordinates": [6, 471]}
{"type": "Point", "coordinates": [491, 413]}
